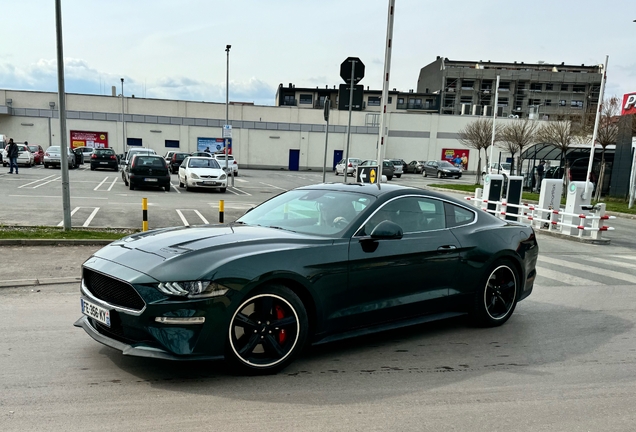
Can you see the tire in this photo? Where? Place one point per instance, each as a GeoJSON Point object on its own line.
{"type": "Point", "coordinates": [336, 172]}
{"type": "Point", "coordinates": [185, 184]}
{"type": "Point", "coordinates": [236, 174]}
{"type": "Point", "coordinates": [222, 190]}
{"type": "Point", "coordinates": [180, 184]}
{"type": "Point", "coordinates": [496, 299]}
{"type": "Point", "coordinates": [424, 173]}
{"type": "Point", "coordinates": [267, 331]}
{"type": "Point", "coordinates": [131, 186]}
{"type": "Point", "coordinates": [124, 179]}
{"type": "Point", "coordinates": [398, 175]}
{"type": "Point", "coordinates": [439, 174]}
{"type": "Point", "coordinates": [92, 168]}
{"type": "Point", "coordinates": [389, 178]}
{"type": "Point", "coordinates": [46, 166]}
{"type": "Point", "coordinates": [167, 188]}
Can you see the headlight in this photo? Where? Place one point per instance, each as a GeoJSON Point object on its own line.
{"type": "Point", "coordinates": [445, 170]}
{"type": "Point", "coordinates": [192, 289]}
{"type": "Point", "coordinates": [194, 176]}
{"type": "Point", "coordinates": [222, 176]}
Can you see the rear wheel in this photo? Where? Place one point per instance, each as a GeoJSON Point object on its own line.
{"type": "Point", "coordinates": [267, 331]}
{"type": "Point", "coordinates": [167, 188]}
{"type": "Point", "coordinates": [131, 186]}
{"type": "Point", "coordinates": [398, 175]}
{"type": "Point", "coordinates": [439, 174]}
{"type": "Point", "coordinates": [423, 173]}
{"type": "Point", "coordinates": [496, 300]}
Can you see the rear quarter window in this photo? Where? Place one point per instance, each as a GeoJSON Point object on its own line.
{"type": "Point", "coordinates": [458, 216]}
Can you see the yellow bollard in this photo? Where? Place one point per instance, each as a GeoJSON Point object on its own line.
{"type": "Point", "coordinates": [221, 210]}
{"type": "Point", "coordinates": [144, 212]}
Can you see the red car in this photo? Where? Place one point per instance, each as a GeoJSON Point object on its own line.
{"type": "Point", "coordinates": [38, 153]}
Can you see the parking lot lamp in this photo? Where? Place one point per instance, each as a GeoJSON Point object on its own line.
{"type": "Point", "coordinates": [227, 109]}
{"type": "Point", "coordinates": [123, 122]}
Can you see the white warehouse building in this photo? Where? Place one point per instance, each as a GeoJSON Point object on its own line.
{"type": "Point", "coordinates": [270, 137]}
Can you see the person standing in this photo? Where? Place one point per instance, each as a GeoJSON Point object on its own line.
{"type": "Point", "coordinates": [540, 174]}
{"type": "Point", "coordinates": [12, 154]}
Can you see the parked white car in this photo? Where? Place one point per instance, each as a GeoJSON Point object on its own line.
{"type": "Point", "coordinates": [351, 166]}
{"type": "Point", "coordinates": [220, 158]}
{"type": "Point", "coordinates": [25, 157]}
{"type": "Point", "coordinates": [496, 168]}
{"type": "Point", "coordinates": [202, 172]}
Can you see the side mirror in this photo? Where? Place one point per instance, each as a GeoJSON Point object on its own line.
{"type": "Point", "coordinates": [387, 230]}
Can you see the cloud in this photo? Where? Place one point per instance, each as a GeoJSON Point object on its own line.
{"type": "Point", "coordinates": [80, 77]}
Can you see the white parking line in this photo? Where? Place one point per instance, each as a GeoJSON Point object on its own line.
{"type": "Point", "coordinates": [112, 184]}
{"type": "Point", "coordinates": [72, 213]}
{"type": "Point", "coordinates": [35, 181]}
{"type": "Point", "coordinates": [103, 181]}
{"type": "Point", "coordinates": [242, 191]}
{"type": "Point", "coordinates": [205, 221]}
{"type": "Point", "coordinates": [42, 184]}
{"type": "Point", "coordinates": [175, 188]}
{"type": "Point", "coordinates": [183, 219]}
{"type": "Point", "coordinates": [231, 191]}
{"type": "Point", "coordinates": [241, 180]}
{"type": "Point", "coordinates": [90, 218]}
{"type": "Point", "coordinates": [275, 187]}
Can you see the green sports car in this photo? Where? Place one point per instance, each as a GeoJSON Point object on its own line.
{"type": "Point", "coordinates": [311, 265]}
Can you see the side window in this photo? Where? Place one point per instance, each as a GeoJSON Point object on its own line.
{"type": "Point", "coordinates": [412, 214]}
{"type": "Point", "coordinates": [457, 216]}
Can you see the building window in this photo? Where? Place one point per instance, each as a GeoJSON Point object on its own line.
{"type": "Point", "coordinates": [565, 87]}
{"type": "Point", "coordinates": [562, 102]}
{"type": "Point", "coordinates": [467, 84]}
{"type": "Point", "coordinates": [536, 87]}
{"type": "Point", "coordinates": [466, 99]}
{"type": "Point", "coordinates": [548, 102]}
{"type": "Point", "coordinates": [373, 101]}
{"type": "Point", "coordinates": [534, 101]}
{"type": "Point", "coordinates": [502, 101]}
{"type": "Point", "coordinates": [548, 87]}
{"type": "Point", "coordinates": [306, 98]}
{"type": "Point", "coordinates": [578, 88]}
{"type": "Point", "coordinates": [504, 86]}
{"type": "Point", "coordinates": [576, 104]}
{"type": "Point", "coordinates": [390, 99]}
{"type": "Point", "coordinates": [172, 143]}
{"type": "Point", "coordinates": [289, 100]}
{"type": "Point", "coordinates": [133, 142]}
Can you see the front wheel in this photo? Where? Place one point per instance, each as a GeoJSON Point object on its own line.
{"type": "Point", "coordinates": [496, 300]}
{"type": "Point", "coordinates": [398, 175]}
{"type": "Point", "coordinates": [267, 331]}
{"type": "Point", "coordinates": [423, 173]}
{"type": "Point", "coordinates": [439, 174]}
{"type": "Point", "coordinates": [222, 190]}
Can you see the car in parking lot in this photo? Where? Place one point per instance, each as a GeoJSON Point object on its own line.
{"type": "Point", "coordinates": [175, 161]}
{"type": "Point", "coordinates": [138, 150]}
{"type": "Point", "coordinates": [145, 170]}
{"type": "Point", "coordinates": [388, 169]}
{"type": "Point", "coordinates": [25, 157]}
{"type": "Point", "coordinates": [497, 168]}
{"type": "Point", "coordinates": [53, 157]}
{"type": "Point", "coordinates": [349, 165]}
{"type": "Point", "coordinates": [399, 165]}
{"type": "Point", "coordinates": [415, 167]}
{"type": "Point", "coordinates": [220, 158]}
{"type": "Point", "coordinates": [308, 266]}
{"type": "Point", "coordinates": [202, 172]}
{"type": "Point", "coordinates": [38, 153]}
{"type": "Point", "coordinates": [87, 152]}
{"type": "Point", "coordinates": [104, 158]}
{"type": "Point", "coordinates": [201, 154]}
{"type": "Point", "coordinates": [441, 169]}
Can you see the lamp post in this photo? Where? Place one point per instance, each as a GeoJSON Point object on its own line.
{"type": "Point", "coordinates": [123, 122]}
{"type": "Point", "coordinates": [227, 109]}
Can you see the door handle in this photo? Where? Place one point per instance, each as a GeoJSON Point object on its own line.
{"type": "Point", "coordinates": [446, 248]}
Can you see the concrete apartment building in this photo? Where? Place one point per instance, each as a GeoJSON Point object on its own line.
{"type": "Point", "coordinates": [548, 91]}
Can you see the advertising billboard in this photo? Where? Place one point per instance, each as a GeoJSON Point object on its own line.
{"type": "Point", "coordinates": [457, 157]}
{"type": "Point", "coordinates": [629, 104]}
{"type": "Point", "coordinates": [89, 139]}
{"type": "Point", "coordinates": [213, 145]}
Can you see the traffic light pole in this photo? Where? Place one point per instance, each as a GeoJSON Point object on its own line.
{"type": "Point", "coordinates": [351, 84]}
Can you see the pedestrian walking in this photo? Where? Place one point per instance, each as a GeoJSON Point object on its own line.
{"type": "Point", "coordinates": [12, 154]}
{"type": "Point", "coordinates": [540, 174]}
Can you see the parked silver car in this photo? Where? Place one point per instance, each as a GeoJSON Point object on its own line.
{"type": "Point", "coordinates": [53, 157]}
{"type": "Point", "coordinates": [351, 166]}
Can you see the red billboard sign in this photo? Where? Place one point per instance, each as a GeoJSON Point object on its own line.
{"type": "Point", "coordinates": [629, 104]}
{"type": "Point", "coordinates": [457, 157]}
{"type": "Point", "coordinates": [89, 139]}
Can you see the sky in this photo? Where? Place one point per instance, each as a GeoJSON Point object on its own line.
{"type": "Point", "coordinates": [176, 49]}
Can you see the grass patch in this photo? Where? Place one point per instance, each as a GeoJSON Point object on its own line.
{"type": "Point", "coordinates": [526, 196]}
{"type": "Point", "coordinates": [617, 205]}
{"type": "Point", "coordinates": [17, 232]}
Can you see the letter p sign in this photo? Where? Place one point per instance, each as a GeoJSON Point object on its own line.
{"type": "Point", "coordinates": [629, 104]}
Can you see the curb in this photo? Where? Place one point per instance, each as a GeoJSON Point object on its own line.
{"type": "Point", "coordinates": [54, 242]}
{"type": "Point", "coordinates": [36, 282]}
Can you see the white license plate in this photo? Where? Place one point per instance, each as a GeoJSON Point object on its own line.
{"type": "Point", "coordinates": [151, 180]}
{"type": "Point", "coordinates": [213, 183]}
{"type": "Point", "coordinates": [96, 312]}
{"type": "Point", "coordinates": [104, 163]}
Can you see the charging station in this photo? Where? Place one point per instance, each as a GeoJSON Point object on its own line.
{"type": "Point", "coordinates": [550, 196]}
{"type": "Point", "coordinates": [513, 196]}
{"type": "Point", "coordinates": [575, 199]}
{"type": "Point", "coordinates": [493, 189]}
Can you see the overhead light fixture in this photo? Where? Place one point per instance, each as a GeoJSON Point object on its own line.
{"type": "Point", "coordinates": [52, 105]}
{"type": "Point", "coordinates": [155, 131]}
{"type": "Point", "coordinates": [274, 137]}
{"type": "Point", "coordinates": [26, 124]}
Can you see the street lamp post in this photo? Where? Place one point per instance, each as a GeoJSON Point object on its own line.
{"type": "Point", "coordinates": [123, 122]}
{"type": "Point", "coordinates": [227, 109]}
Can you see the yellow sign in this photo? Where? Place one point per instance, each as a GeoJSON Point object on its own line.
{"type": "Point", "coordinates": [372, 176]}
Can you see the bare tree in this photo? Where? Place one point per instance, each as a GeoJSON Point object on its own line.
{"type": "Point", "coordinates": [517, 135]}
{"type": "Point", "coordinates": [478, 135]}
{"type": "Point", "coordinates": [557, 133]}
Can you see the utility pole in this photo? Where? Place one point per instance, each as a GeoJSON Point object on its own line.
{"type": "Point", "coordinates": [227, 110]}
{"type": "Point", "coordinates": [123, 122]}
{"type": "Point", "coordinates": [351, 85]}
{"type": "Point", "coordinates": [61, 94]}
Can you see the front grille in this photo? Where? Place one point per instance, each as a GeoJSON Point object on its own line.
{"type": "Point", "coordinates": [209, 176]}
{"type": "Point", "coordinates": [112, 291]}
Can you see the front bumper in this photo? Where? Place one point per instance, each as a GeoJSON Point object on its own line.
{"type": "Point", "coordinates": [200, 183]}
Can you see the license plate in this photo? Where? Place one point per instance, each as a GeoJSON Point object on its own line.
{"type": "Point", "coordinates": [98, 313]}
{"type": "Point", "coordinates": [104, 163]}
{"type": "Point", "coordinates": [150, 180]}
{"type": "Point", "coordinates": [213, 183]}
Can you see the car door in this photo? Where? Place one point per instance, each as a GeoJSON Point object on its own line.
{"type": "Point", "coordinates": [182, 170]}
{"type": "Point", "coordinates": [401, 278]}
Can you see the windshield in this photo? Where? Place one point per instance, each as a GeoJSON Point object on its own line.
{"type": "Point", "coordinates": [33, 149]}
{"type": "Point", "coordinates": [203, 163]}
{"type": "Point", "coordinates": [53, 149]}
{"type": "Point", "coordinates": [319, 212]}
{"type": "Point", "coordinates": [444, 164]}
{"type": "Point", "coordinates": [102, 152]}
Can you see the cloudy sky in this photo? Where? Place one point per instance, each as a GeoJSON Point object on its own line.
{"type": "Point", "coordinates": [176, 49]}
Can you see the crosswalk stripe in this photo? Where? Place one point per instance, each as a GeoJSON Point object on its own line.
{"type": "Point", "coordinates": [611, 262]}
{"type": "Point", "coordinates": [629, 257]}
{"type": "Point", "coordinates": [565, 278]}
{"type": "Point", "coordinates": [577, 266]}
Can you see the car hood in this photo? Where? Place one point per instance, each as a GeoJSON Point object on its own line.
{"type": "Point", "coordinates": [206, 171]}
{"type": "Point", "coordinates": [201, 249]}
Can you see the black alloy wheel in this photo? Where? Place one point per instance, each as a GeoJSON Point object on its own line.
{"type": "Point", "coordinates": [267, 331]}
{"type": "Point", "coordinates": [496, 302]}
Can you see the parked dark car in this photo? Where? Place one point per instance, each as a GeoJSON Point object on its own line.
{"type": "Point", "coordinates": [441, 169]}
{"type": "Point", "coordinates": [175, 161]}
{"type": "Point", "coordinates": [415, 167]}
{"type": "Point", "coordinates": [310, 265]}
{"type": "Point", "coordinates": [388, 169]}
{"type": "Point", "coordinates": [146, 170]}
{"type": "Point", "coordinates": [104, 158]}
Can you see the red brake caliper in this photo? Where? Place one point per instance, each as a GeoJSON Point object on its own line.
{"type": "Point", "coordinates": [280, 314]}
